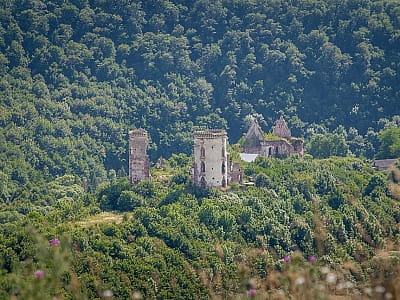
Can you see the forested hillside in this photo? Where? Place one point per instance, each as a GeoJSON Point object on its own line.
{"type": "Point", "coordinates": [75, 75]}
{"type": "Point", "coordinates": [308, 229]}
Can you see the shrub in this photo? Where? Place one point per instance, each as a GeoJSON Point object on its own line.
{"type": "Point", "coordinates": [128, 200]}
{"type": "Point", "coordinates": [263, 180]}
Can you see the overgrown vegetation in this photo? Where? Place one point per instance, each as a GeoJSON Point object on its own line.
{"type": "Point", "coordinates": [76, 75]}
{"type": "Point", "coordinates": [175, 242]}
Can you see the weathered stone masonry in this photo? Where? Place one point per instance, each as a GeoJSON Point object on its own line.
{"type": "Point", "coordinates": [210, 168]}
{"type": "Point", "coordinates": [282, 143]}
{"type": "Point", "coordinates": [139, 163]}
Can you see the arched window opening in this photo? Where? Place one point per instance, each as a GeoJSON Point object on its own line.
{"type": "Point", "coordinates": [202, 152]}
{"type": "Point", "coordinates": [203, 166]}
{"type": "Point", "coordinates": [223, 168]}
{"type": "Point", "coordinates": [223, 152]}
{"type": "Point", "coordinates": [269, 151]}
{"type": "Point", "coordinates": [203, 182]}
{"type": "Point", "coordinates": [276, 150]}
{"type": "Point", "coordinates": [223, 182]}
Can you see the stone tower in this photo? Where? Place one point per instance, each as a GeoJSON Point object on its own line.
{"type": "Point", "coordinates": [281, 129]}
{"type": "Point", "coordinates": [210, 167]}
{"type": "Point", "coordinates": [139, 163]}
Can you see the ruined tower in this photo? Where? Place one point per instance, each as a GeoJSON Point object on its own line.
{"type": "Point", "coordinates": [139, 164]}
{"type": "Point", "coordinates": [210, 168]}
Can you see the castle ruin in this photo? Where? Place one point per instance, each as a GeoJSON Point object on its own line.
{"type": "Point", "coordinates": [139, 163]}
{"type": "Point", "coordinates": [279, 143]}
{"type": "Point", "coordinates": [212, 166]}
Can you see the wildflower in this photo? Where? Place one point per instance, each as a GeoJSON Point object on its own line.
{"type": "Point", "coordinates": [299, 281]}
{"type": "Point", "coordinates": [331, 278]}
{"type": "Point", "coordinates": [345, 285]}
{"type": "Point", "coordinates": [388, 295]}
{"type": "Point", "coordinates": [251, 292]}
{"type": "Point", "coordinates": [280, 292]}
{"type": "Point", "coordinates": [312, 259]}
{"type": "Point", "coordinates": [252, 283]}
{"type": "Point", "coordinates": [108, 294]}
{"type": "Point", "coordinates": [379, 289]}
{"type": "Point", "coordinates": [325, 270]}
{"type": "Point", "coordinates": [39, 274]}
{"type": "Point", "coordinates": [368, 291]}
{"type": "Point", "coordinates": [348, 285]}
{"type": "Point", "coordinates": [286, 259]}
{"type": "Point", "coordinates": [54, 242]}
{"type": "Point", "coordinates": [136, 296]}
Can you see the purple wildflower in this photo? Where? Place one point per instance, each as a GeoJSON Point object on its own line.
{"type": "Point", "coordinates": [39, 274]}
{"type": "Point", "coordinates": [286, 259]}
{"type": "Point", "coordinates": [54, 242]}
{"type": "Point", "coordinates": [312, 259]}
{"type": "Point", "coordinates": [251, 292]}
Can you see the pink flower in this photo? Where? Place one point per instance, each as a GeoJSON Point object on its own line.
{"type": "Point", "coordinates": [54, 242]}
{"type": "Point", "coordinates": [251, 292]}
{"type": "Point", "coordinates": [39, 274]}
{"type": "Point", "coordinates": [286, 259]}
{"type": "Point", "coordinates": [312, 259]}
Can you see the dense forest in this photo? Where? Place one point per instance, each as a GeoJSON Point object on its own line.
{"type": "Point", "coordinates": [76, 75]}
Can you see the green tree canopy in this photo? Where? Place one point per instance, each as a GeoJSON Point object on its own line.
{"type": "Point", "coordinates": [390, 143]}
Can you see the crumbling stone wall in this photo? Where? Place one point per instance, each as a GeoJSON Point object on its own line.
{"type": "Point", "coordinates": [235, 173]}
{"type": "Point", "coordinates": [281, 129]}
{"type": "Point", "coordinates": [283, 145]}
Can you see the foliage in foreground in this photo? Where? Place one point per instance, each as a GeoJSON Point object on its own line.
{"type": "Point", "coordinates": [175, 242]}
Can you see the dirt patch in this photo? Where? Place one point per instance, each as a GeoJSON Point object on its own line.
{"type": "Point", "coordinates": [101, 218]}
